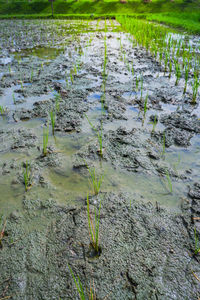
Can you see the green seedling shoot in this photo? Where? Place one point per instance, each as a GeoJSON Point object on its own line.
{"type": "Point", "coordinates": [94, 180]}
{"type": "Point", "coordinates": [53, 120]}
{"type": "Point", "coordinates": [45, 139]}
{"type": "Point", "coordinates": [99, 135]}
{"type": "Point", "coordinates": [93, 226]}
{"type": "Point", "coordinates": [197, 244]}
{"type": "Point", "coordinates": [195, 88]}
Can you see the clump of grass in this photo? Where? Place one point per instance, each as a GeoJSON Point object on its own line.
{"type": "Point", "coordinates": [170, 68]}
{"type": "Point", "coordinates": [145, 104]}
{"type": "Point", "coordinates": [169, 182]}
{"type": "Point", "coordinates": [95, 181]}
{"type": "Point", "coordinates": [154, 123]}
{"type": "Point", "coordinates": [99, 135]}
{"type": "Point", "coordinates": [57, 102]}
{"type": "Point", "coordinates": [197, 244]}
{"type": "Point", "coordinates": [195, 88]}
{"type": "Point", "coordinates": [27, 176]}
{"type": "Point", "coordinates": [186, 78]}
{"type": "Point", "coordinates": [78, 284]}
{"type": "Point", "coordinates": [14, 99]}
{"type": "Point", "coordinates": [3, 110]}
{"type": "Point", "coordinates": [178, 72]}
{"type": "Point", "coordinates": [93, 226]}
{"type": "Point", "coordinates": [53, 120]}
{"type": "Point", "coordinates": [45, 139]}
{"type": "Point", "coordinates": [79, 287]}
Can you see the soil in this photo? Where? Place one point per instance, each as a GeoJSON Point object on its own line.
{"type": "Point", "coordinates": [150, 191]}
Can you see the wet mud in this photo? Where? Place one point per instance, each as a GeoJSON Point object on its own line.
{"type": "Point", "coordinates": [135, 128]}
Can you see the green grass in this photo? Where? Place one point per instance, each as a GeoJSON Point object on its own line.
{"type": "Point", "coordinates": [179, 13]}
{"type": "Point", "coordinates": [95, 180]}
{"type": "Point", "coordinates": [93, 226]}
{"type": "Point", "coordinates": [45, 139]}
{"type": "Point", "coordinates": [187, 21]}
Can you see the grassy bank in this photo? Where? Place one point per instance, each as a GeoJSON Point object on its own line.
{"type": "Point", "coordinates": [95, 7]}
{"type": "Point", "coordinates": [187, 21]}
{"type": "Point", "coordinates": [179, 13]}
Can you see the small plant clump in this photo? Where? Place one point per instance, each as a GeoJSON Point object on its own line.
{"type": "Point", "coordinates": [53, 120]}
{"type": "Point", "coordinates": [79, 287]}
{"type": "Point", "coordinates": [93, 225]}
{"type": "Point", "coordinates": [3, 110]}
{"type": "Point", "coordinates": [197, 244]}
{"type": "Point", "coordinates": [95, 181]}
{"type": "Point", "coordinates": [45, 139]}
{"type": "Point", "coordinates": [99, 135]}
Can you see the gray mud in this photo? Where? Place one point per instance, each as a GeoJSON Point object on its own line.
{"type": "Point", "coordinates": [150, 166]}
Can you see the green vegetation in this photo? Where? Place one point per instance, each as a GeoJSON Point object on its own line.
{"type": "Point", "coordinates": [95, 181]}
{"type": "Point", "coordinates": [178, 13]}
{"type": "Point", "coordinates": [188, 20]}
{"type": "Point", "coordinates": [3, 110]}
{"type": "Point", "coordinates": [197, 245]}
{"type": "Point", "coordinates": [99, 135]}
{"type": "Point", "coordinates": [93, 226]}
{"type": "Point", "coordinates": [169, 182]}
{"type": "Point", "coordinates": [53, 120]}
{"type": "Point", "coordinates": [45, 139]}
{"type": "Point", "coordinates": [78, 284]}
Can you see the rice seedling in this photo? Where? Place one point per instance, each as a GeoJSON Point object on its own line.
{"type": "Point", "coordinates": [91, 294]}
{"type": "Point", "coordinates": [14, 99]}
{"type": "Point", "coordinates": [145, 104]}
{"type": "Point", "coordinates": [78, 284]}
{"type": "Point", "coordinates": [141, 90]}
{"type": "Point", "coordinates": [170, 68]}
{"type": "Point", "coordinates": [53, 120]}
{"type": "Point", "coordinates": [178, 72]}
{"type": "Point", "coordinates": [94, 226]}
{"type": "Point", "coordinates": [57, 102]}
{"type": "Point", "coordinates": [99, 135]}
{"type": "Point", "coordinates": [136, 83]}
{"type": "Point", "coordinates": [3, 110]}
{"type": "Point", "coordinates": [186, 78]}
{"type": "Point", "coordinates": [154, 123]}
{"type": "Point", "coordinates": [45, 139]}
{"type": "Point", "coordinates": [95, 181]}
{"type": "Point", "coordinates": [169, 182]}
{"type": "Point", "coordinates": [195, 87]}
{"type": "Point", "coordinates": [21, 83]}
{"type": "Point", "coordinates": [27, 176]}
{"type": "Point", "coordinates": [166, 61]}
{"type": "Point", "coordinates": [197, 244]}
{"type": "Point", "coordinates": [9, 68]}
{"type": "Point", "coordinates": [71, 78]}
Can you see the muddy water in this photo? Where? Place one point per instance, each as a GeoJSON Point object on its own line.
{"type": "Point", "coordinates": [21, 97]}
{"type": "Point", "coordinates": [91, 70]}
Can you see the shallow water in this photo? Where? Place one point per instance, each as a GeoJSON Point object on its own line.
{"type": "Point", "coordinates": [86, 52]}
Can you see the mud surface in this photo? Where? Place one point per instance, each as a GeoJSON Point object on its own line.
{"type": "Point", "coordinates": [86, 73]}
